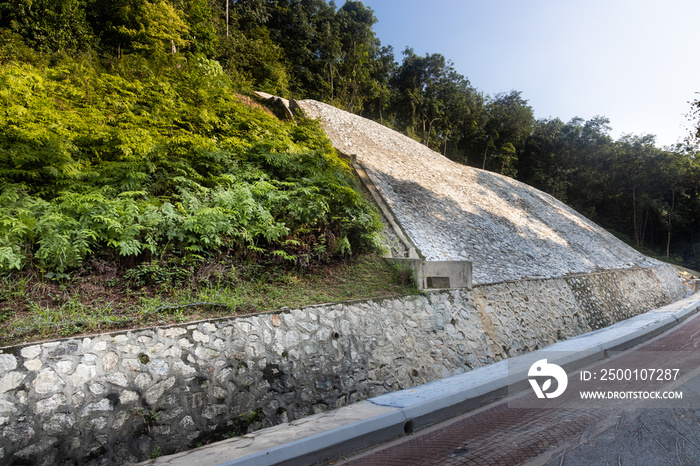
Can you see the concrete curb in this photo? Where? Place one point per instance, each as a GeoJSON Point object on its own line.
{"type": "Point", "coordinates": [412, 409]}
{"type": "Point", "coordinates": [340, 440]}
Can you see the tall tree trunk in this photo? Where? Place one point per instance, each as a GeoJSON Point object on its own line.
{"type": "Point", "coordinates": [634, 217]}
{"type": "Point", "coordinates": [430, 129]}
{"type": "Point", "coordinates": [330, 72]}
{"type": "Point", "coordinates": [227, 1]}
{"type": "Point", "coordinates": [670, 212]}
{"type": "Point", "coordinates": [353, 94]}
{"type": "Point", "coordinates": [351, 105]}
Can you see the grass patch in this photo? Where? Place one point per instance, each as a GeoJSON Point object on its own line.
{"type": "Point", "coordinates": [101, 298]}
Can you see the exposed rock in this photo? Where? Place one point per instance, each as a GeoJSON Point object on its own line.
{"type": "Point", "coordinates": [7, 363]}
{"type": "Point", "coordinates": [48, 381]}
{"type": "Point", "coordinates": [10, 381]}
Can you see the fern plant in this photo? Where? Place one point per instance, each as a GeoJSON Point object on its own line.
{"type": "Point", "coordinates": [139, 162]}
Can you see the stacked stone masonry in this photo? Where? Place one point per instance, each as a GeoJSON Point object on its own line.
{"type": "Point", "coordinates": [123, 397]}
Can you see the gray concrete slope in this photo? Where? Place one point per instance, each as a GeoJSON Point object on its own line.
{"type": "Point", "coordinates": [378, 419]}
{"type": "Point", "coordinates": [453, 212]}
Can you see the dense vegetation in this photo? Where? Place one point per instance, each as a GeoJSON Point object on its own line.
{"type": "Point", "coordinates": [141, 164]}
{"type": "Point", "coordinates": [147, 80]}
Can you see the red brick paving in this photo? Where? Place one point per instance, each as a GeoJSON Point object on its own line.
{"type": "Point", "coordinates": [498, 435]}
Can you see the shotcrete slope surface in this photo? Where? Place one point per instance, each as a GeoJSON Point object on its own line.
{"type": "Point", "coordinates": [509, 230]}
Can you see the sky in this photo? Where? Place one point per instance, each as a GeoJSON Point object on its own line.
{"type": "Point", "coordinates": [632, 61]}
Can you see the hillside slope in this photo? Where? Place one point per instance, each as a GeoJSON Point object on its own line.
{"type": "Point", "coordinates": [450, 211]}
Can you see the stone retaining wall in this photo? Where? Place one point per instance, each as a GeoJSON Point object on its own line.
{"type": "Point", "coordinates": [123, 397]}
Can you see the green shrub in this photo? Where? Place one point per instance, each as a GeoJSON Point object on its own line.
{"type": "Point", "coordinates": [146, 160]}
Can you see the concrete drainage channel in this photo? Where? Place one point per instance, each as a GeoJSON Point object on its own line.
{"type": "Point", "coordinates": [426, 274]}
{"type": "Point", "coordinates": [393, 415]}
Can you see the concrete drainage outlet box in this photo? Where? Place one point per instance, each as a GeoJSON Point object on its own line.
{"type": "Point", "coordinates": [447, 274]}
{"type": "Point", "coordinates": [437, 274]}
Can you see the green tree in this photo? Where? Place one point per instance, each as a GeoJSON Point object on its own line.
{"type": "Point", "coordinates": [510, 123]}
{"type": "Point", "coordinates": [417, 104]}
{"type": "Point", "coordinates": [632, 184]}
{"type": "Point", "coordinates": [294, 27]}
{"type": "Point", "coordinates": [254, 60]}
{"type": "Point", "coordinates": [358, 46]}
{"type": "Point", "coordinates": [545, 161]}
{"type": "Point", "coordinates": [156, 29]}
{"type": "Point", "coordinates": [202, 21]}
{"type": "Point", "coordinates": [331, 53]}
{"type": "Point", "coordinates": [383, 66]}
{"type": "Point", "coordinates": [50, 25]}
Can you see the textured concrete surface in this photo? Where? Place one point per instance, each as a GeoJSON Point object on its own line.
{"type": "Point", "coordinates": [450, 211]}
